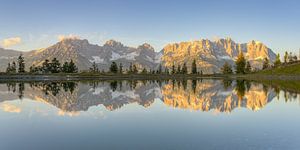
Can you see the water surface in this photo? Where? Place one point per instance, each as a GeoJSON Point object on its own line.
{"type": "Point", "coordinates": [184, 114]}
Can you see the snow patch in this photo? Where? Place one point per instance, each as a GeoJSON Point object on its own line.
{"type": "Point", "coordinates": [97, 59]}
{"type": "Point", "coordinates": [129, 56]}
{"type": "Point", "coordinates": [158, 57]}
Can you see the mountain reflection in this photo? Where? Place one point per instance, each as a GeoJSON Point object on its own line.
{"type": "Point", "coordinates": [200, 95]}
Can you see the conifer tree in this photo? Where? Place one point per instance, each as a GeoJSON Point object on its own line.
{"type": "Point", "coordinates": [184, 69]}
{"type": "Point", "coordinates": [94, 68]}
{"type": "Point", "coordinates": [173, 69]}
{"type": "Point", "coordinates": [135, 70]}
{"type": "Point", "coordinates": [144, 71]}
{"type": "Point", "coordinates": [286, 55]}
{"type": "Point", "coordinates": [46, 66]}
{"type": "Point", "coordinates": [178, 69]}
{"type": "Point", "coordinates": [113, 67]}
{"type": "Point", "coordinates": [194, 67]}
{"type": "Point", "coordinates": [72, 67]}
{"type": "Point", "coordinates": [240, 64]}
{"type": "Point", "coordinates": [65, 67]}
{"type": "Point", "coordinates": [166, 70]}
{"type": "Point", "coordinates": [277, 61]}
{"type": "Point", "coordinates": [130, 68]}
{"type": "Point", "coordinates": [8, 69]}
{"type": "Point", "coordinates": [13, 67]}
{"type": "Point", "coordinates": [121, 68]}
{"type": "Point", "coordinates": [226, 69]}
{"type": "Point", "coordinates": [266, 63]}
{"type": "Point", "coordinates": [248, 68]}
{"type": "Point", "coordinates": [21, 63]}
{"type": "Point", "coordinates": [55, 66]}
{"type": "Point", "coordinates": [159, 70]}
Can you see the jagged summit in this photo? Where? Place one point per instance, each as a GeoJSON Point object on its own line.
{"type": "Point", "coordinates": [146, 46]}
{"type": "Point", "coordinates": [211, 55]}
{"type": "Point", "coordinates": [113, 43]}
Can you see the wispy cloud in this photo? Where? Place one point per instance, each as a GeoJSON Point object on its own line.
{"type": "Point", "coordinates": [70, 36]}
{"type": "Point", "coordinates": [11, 42]}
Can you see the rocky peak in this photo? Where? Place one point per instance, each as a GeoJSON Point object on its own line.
{"type": "Point", "coordinates": [113, 43]}
{"type": "Point", "coordinates": [211, 55]}
{"type": "Point", "coordinates": [146, 46]}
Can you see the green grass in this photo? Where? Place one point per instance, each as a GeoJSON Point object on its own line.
{"type": "Point", "coordinates": [292, 69]}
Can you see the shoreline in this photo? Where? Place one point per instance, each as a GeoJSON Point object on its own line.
{"type": "Point", "coordinates": [79, 76]}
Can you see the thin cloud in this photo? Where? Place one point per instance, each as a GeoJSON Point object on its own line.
{"type": "Point", "coordinates": [70, 36]}
{"type": "Point", "coordinates": [11, 42]}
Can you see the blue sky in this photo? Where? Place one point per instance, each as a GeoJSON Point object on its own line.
{"type": "Point", "coordinates": [38, 23]}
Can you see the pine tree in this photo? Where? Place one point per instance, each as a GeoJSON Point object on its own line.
{"type": "Point", "coordinates": [8, 69]}
{"type": "Point", "coordinates": [135, 70]}
{"type": "Point", "coordinates": [240, 64]}
{"type": "Point", "coordinates": [290, 57]}
{"type": "Point", "coordinates": [178, 69]}
{"type": "Point", "coordinates": [166, 70]}
{"type": "Point", "coordinates": [46, 66]}
{"type": "Point", "coordinates": [173, 69]}
{"type": "Point", "coordinates": [194, 67]}
{"type": "Point", "coordinates": [21, 63]}
{"type": "Point", "coordinates": [144, 71]}
{"type": "Point", "coordinates": [121, 68]}
{"type": "Point", "coordinates": [266, 63]}
{"type": "Point", "coordinates": [248, 68]}
{"type": "Point", "coordinates": [55, 66]}
{"type": "Point", "coordinates": [159, 70]}
{"type": "Point", "coordinates": [130, 68]}
{"type": "Point", "coordinates": [286, 55]}
{"type": "Point", "coordinates": [65, 67]}
{"type": "Point", "coordinates": [94, 68]}
{"type": "Point", "coordinates": [184, 69]}
{"type": "Point", "coordinates": [72, 67]}
{"type": "Point", "coordinates": [32, 69]}
{"type": "Point", "coordinates": [113, 67]}
{"type": "Point", "coordinates": [277, 61]}
{"type": "Point", "coordinates": [226, 69]}
{"type": "Point", "coordinates": [13, 68]}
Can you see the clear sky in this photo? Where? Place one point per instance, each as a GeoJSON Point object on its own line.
{"type": "Point", "coordinates": [33, 24]}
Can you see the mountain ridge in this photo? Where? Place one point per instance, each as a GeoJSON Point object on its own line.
{"type": "Point", "coordinates": [210, 55]}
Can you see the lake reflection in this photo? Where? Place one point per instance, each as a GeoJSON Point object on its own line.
{"type": "Point", "coordinates": [200, 95]}
{"type": "Point", "coordinates": [155, 111]}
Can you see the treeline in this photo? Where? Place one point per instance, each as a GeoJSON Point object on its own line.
{"type": "Point", "coordinates": [133, 69]}
{"type": "Point", "coordinates": [242, 66]}
{"type": "Point", "coordinates": [53, 66]}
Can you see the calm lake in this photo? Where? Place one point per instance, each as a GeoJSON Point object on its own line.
{"type": "Point", "coordinates": [185, 114]}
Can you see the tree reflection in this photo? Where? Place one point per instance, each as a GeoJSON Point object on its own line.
{"type": "Point", "coordinates": [227, 83]}
{"type": "Point", "coordinates": [240, 88]}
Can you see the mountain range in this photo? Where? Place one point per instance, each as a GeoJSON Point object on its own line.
{"type": "Point", "coordinates": [209, 55]}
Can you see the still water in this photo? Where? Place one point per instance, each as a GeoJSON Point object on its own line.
{"type": "Point", "coordinates": [185, 114]}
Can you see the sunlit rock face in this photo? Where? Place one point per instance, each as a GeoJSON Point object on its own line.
{"type": "Point", "coordinates": [211, 95]}
{"type": "Point", "coordinates": [211, 55]}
